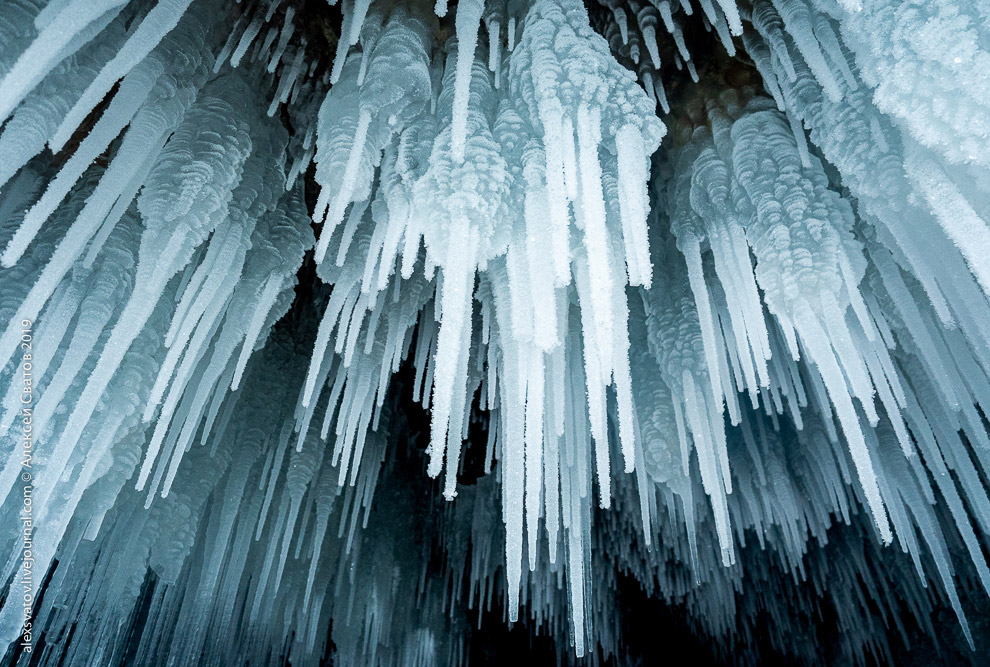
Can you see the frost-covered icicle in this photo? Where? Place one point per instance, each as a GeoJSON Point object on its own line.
{"type": "Point", "coordinates": [647, 19]}
{"type": "Point", "coordinates": [189, 643]}
{"type": "Point", "coordinates": [76, 23]}
{"type": "Point", "coordinates": [466, 26]}
{"type": "Point", "coordinates": [770, 26]}
{"type": "Point", "coordinates": [674, 333]}
{"type": "Point", "coordinates": [877, 180]}
{"type": "Point", "coordinates": [55, 321]}
{"type": "Point", "coordinates": [395, 90]}
{"type": "Point", "coordinates": [284, 36]}
{"type": "Point", "coordinates": [298, 476]}
{"type": "Point", "coordinates": [538, 77]}
{"type": "Point", "coordinates": [371, 28]}
{"type": "Point", "coordinates": [18, 28]}
{"type": "Point", "coordinates": [148, 98]}
{"type": "Point", "coordinates": [35, 120]}
{"type": "Point", "coordinates": [963, 224]}
{"type": "Point", "coordinates": [779, 322]}
{"type": "Point", "coordinates": [459, 235]}
{"type": "Point", "coordinates": [253, 198]}
{"type": "Point", "coordinates": [244, 43]}
{"type": "Point", "coordinates": [326, 493]}
{"type": "Point", "coordinates": [913, 79]}
{"type": "Point", "coordinates": [288, 78]}
{"type": "Point", "coordinates": [655, 411]}
{"type": "Point", "coordinates": [495, 17]}
{"type": "Point", "coordinates": [511, 400]}
{"type": "Point", "coordinates": [633, 167]}
{"type": "Point", "coordinates": [687, 226]}
{"type": "Point", "coordinates": [807, 305]}
{"type": "Point", "coordinates": [118, 429]}
{"type": "Point", "coordinates": [110, 282]}
{"type": "Point", "coordinates": [155, 25]}
{"type": "Point", "coordinates": [165, 247]}
{"type": "Point", "coordinates": [799, 25]}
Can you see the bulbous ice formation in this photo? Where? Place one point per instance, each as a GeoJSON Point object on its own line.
{"type": "Point", "coordinates": [741, 347]}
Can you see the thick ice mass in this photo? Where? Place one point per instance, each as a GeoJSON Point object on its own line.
{"type": "Point", "coordinates": [692, 294]}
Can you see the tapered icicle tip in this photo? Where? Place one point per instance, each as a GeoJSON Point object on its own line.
{"type": "Point", "coordinates": [467, 24]}
{"type": "Point", "coordinates": [681, 369]}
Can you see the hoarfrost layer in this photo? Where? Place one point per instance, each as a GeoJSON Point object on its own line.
{"type": "Point", "coordinates": [759, 318]}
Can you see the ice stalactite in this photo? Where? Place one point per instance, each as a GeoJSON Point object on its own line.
{"type": "Point", "coordinates": [794, 221]}
{"type": "Point", "coordinates": [690, 294]}
{"type": "Point", "coordinates": [503, 163]}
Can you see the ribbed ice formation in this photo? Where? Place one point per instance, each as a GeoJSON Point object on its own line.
{"type": "Point", "coordinates": [754, 355]}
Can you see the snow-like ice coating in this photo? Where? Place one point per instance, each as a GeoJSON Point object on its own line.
{"type": "Point", "coordinates": [721, 335]}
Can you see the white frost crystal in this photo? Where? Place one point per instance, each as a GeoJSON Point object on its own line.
{"type": "Point", "coordinates": [741, 347]}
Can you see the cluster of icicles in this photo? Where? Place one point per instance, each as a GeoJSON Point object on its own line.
{"type": "Point", "coordinates": [692, 366]}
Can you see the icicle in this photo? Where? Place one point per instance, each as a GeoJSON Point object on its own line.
{"type": "Point", "coordinates": [467, 23]}
{"type": "Point", "coordinates": [162, 18]}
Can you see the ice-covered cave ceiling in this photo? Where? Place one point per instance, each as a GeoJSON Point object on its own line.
{"type": "Point", "coordinates": [356, 331]}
